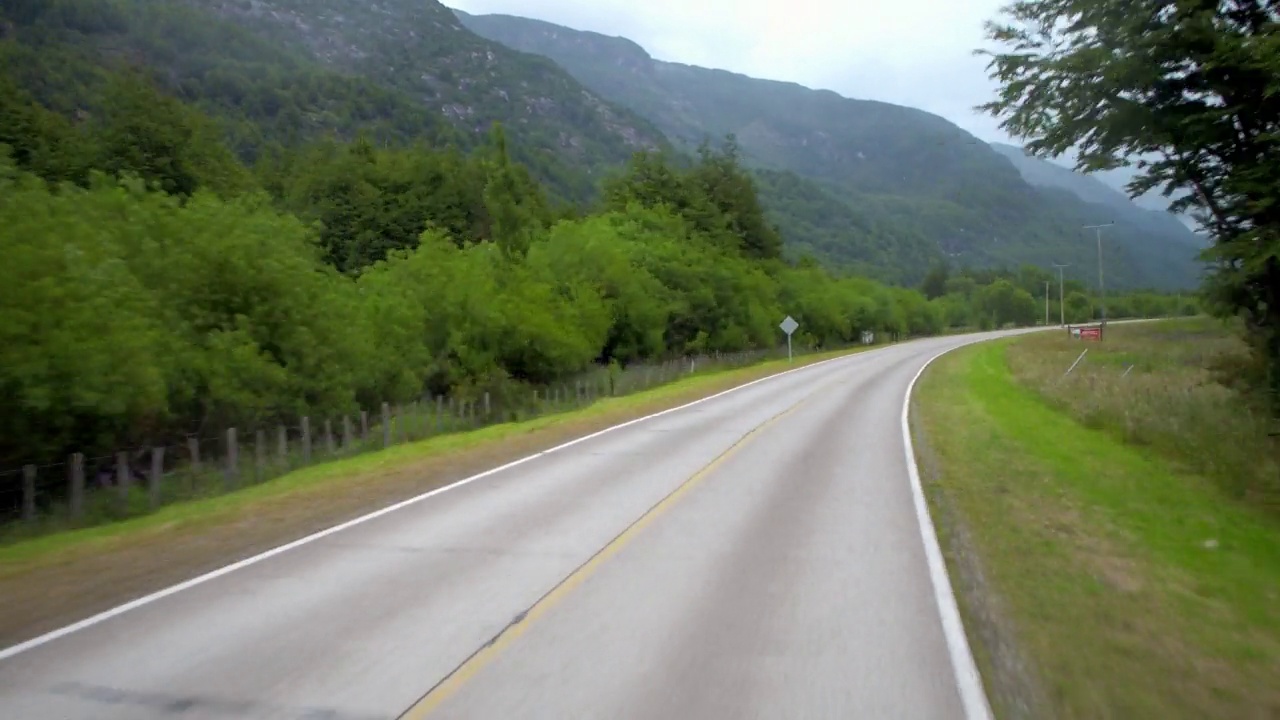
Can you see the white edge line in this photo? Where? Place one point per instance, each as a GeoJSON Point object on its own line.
{"type": "Point", "coordinates": [101, 617]}
{"type": "Point", "coordinates": [968, 679]}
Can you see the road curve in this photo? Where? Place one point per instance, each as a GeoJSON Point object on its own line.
{"type": "Point", "coordinates": [758, 554]}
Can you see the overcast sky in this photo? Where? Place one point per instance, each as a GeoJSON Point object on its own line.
{"type": "Point", "coordinates": [915, 53]}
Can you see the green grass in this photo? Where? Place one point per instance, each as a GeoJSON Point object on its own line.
{"type": "Point", "coordinates": [1136, 585]}
{"type": "Point", "coordinates": [1174, 399]}
{"type": "Point", "coordinates": [317, 480]}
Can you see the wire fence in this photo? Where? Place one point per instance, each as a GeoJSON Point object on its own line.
{"type": "Point", "coordinates": [84, 490]}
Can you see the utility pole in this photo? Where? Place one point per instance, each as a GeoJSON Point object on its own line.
{"type": "Point", "coordinates": [1102, 286]}
{"type": "Point", "coordinates": [1046, 303]}
{"type": "Point", "coordinates": [1062, 302]}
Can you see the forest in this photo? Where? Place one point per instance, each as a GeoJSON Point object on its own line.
{"type": "Point", "coordinates": [160, 280]}
{"type": "Point", "coordinates": [154, 285]}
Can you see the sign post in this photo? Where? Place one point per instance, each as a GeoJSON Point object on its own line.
{"type": "Point", "coordinates": [789, 326]}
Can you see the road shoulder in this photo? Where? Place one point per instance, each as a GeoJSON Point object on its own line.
{"type": "Point", "coordinates": [1095, 579]}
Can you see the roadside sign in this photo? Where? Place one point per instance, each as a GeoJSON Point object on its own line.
{"type": "Point", "coordinates": [1093, 333]}
{"type": "Point", "coordinates": [789, 326]}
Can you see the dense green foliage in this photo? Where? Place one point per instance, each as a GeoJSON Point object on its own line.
{"type": "Point", "coordinates": [155, 286]}
{"type": "Point", "coordinates": [715, 197]}
{"type": "Point", "coordinates": [133, 315]}
{"type": "Point", "coordinates": [817, 223]}
{"type": "Point", "coordinates": [1195, 87]}
{"type": "Point", "coordinates": [865, 185]}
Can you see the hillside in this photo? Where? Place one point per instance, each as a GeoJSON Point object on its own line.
{"type": "Point", "coordinates": [160, 288]}
{"type": "Point", "coordinates": [1091, 189]}
{"type": "Point", "coordinates": [282, 71]}
{"type": "Point", "coordinates": [918, 177]}
{"type": "Point", "coordinates": [861, 186]}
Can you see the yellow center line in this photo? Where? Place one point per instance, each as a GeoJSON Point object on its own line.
{"type": "Point", "coordinates": [454, 681]}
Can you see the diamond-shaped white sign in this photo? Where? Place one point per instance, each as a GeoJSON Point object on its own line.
{"type": "Point", "coordinates": [789, 325]}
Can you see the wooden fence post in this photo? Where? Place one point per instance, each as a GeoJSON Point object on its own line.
{"type": "Point", "coordinates": [386, 425]}
{"type": "Point", "coordinates": [153, 481]}
{"type": "Point", "coordinates": [29, 493]}
{"type": "Point", "coordinates": [306, 440]}
{"type": "Point", "coordinates": [233, 457]}
{"type": "Point", "coordinates": [259, 455]}
{"type": "Point", "coordinates": [328, 436]}
{"type": "Point", "coordinates": [124, 477]}
{"type": "Point", "coordinates": [346, 432]}
{"type": "Point", "coordinates": [193, 453]}
{"type": "Point", "coordinates": [77, 486]}
{"type": "Point", "coordinates": [282, 445]}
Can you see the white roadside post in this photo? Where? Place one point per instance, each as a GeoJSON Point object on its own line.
{"type": "Point", "coordinates": [789, 326]}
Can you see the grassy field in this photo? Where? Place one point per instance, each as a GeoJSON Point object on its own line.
{"type": "Point", "coordinates": [54, 579]}
{"type": "Point", "coordinates": [1114, 538]}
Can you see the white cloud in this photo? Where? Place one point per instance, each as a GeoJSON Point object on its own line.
{"type": "Point", "coordinates": [910, 53]}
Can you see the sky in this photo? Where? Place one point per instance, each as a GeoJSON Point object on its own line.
{"type": "Point", "coordinates": [916, 53]}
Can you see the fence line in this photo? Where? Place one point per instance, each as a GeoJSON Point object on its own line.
{"type": "Point", "coordinates": [84, 491]}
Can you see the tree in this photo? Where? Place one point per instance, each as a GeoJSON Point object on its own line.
{"type": "Point", "coordinates": [1004, 303]}
{"type": "Point", "coordinates": [717, 196]}
{"type": "Point", "coordinates": [935, 282]}
{"type": "Point", "coordinates": [168, 144]}
{"type": "Point", "coordinates": [1189, 93]}
{"type": "Point", "coordinates": [511, 198]}
{"type": "Point", "coordinates": [1078, 308]}
{"type": "Point", "coordinates": [41, 141]}
{"type": "Point", "coordinates": [731, 190]}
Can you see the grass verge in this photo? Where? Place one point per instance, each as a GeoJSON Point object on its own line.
{"type": "Point", "coordinates": [51, 580]}
{"type": "Point", "coordinates": [1100, 578]}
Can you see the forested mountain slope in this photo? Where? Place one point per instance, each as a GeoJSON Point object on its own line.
{"type": "Point", "coordinates": [1043, 173]}
{"type": "Point", "coordinates": [283, 71]}
{"type": "Point", "coordinates": [860, 186]}
{"type": "Point", "coordinates": [928, 185]}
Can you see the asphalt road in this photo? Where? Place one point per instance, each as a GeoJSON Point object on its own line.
{"type": "Point", "coordinates": [758, 554]}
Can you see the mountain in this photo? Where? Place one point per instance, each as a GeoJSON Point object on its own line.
{"type": "Point", "coordinates": [931, 189]}
{"type": "Point", "coordinates": [281, 71]}
{"type": "Point", "coordinates": [1091, 189]}
{"type": "Point", "coordinates": [857, 185]}
{"type": "Point", "coordinates": [1104, 188]}
{"type": "Point", "coordinates": [1165, 236]}
{"type": "Point", "coordinates": [1119, 179]}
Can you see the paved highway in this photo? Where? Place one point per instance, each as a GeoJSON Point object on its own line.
{"type": "Point", "coordinates": [758, 554]}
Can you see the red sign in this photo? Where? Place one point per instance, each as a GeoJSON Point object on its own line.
{"type": "Point", "coordinates": [1091, 333]}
